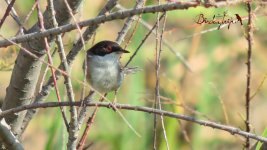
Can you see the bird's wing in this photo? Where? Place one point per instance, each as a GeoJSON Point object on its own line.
{"type": "Point", "coordinates": [130, 70]}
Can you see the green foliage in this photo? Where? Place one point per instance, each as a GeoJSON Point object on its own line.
{"type": "Point", "coordinates": [259, 145]}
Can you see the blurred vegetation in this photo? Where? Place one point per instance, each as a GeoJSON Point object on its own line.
{"type": "Point", "coordinates": [218, 76]}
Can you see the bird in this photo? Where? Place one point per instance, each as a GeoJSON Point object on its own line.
{"type": "Point", "coordinates": [239, 19]}
{"type": "Point", "coordinates": [104, 70]}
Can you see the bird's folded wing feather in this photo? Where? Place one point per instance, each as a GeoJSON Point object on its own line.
{"type": "Point", "coordinates": [130, 70]}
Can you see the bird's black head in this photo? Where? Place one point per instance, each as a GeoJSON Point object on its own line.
{"type": "Point", "coordinates": [106, 47]}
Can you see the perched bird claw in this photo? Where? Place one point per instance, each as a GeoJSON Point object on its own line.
{"type": "Point", "coordinates": [113, 106]}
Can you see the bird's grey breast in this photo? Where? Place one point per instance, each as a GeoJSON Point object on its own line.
{"type": "Point", "coordinates": [104, 72]}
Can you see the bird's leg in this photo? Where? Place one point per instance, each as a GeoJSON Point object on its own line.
{"type": "Point", "coordinates": [113, 104]}
{"type": "Point", "coordinates": [115, 97]}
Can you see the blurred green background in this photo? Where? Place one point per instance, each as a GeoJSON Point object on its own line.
{"type": "Point", "coordinates": [217, 80]}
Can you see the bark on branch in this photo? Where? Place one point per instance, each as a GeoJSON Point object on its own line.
{"type": "Point", "coordinates": [27, 69]}
{"type": "Point", "coordinates": [114, 16]}
{"type": "Point", "coordinates": [227, 128]}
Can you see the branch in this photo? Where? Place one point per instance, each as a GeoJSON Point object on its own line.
{"type": "Point", "coordinates": [142, 42]}
{"type": "Point", "coordinates": [27, 69]}
{"type": "Point", "coordinates": [8, 138]}
{"type": "Point", "coordinates": [159, 40]}
{"type": "Point", "coordinates": [9, 8]}
{"type": "Point", "coordinates": [70, 57]}
{"type": "Point", "coordinates": [165, 42]}
{"type": "Point", "coordinates": [128, 23]}
{"type": "Point", "coordinates": [230, 129]}
{"type": "Point", "coordinates": [249, 40]}
{"type": "Point", "coordinates": [114, 16]}
{"type": "Point", "coordinates": [89, 122]}
{"type": "Point", "coordinates": [72, 128]}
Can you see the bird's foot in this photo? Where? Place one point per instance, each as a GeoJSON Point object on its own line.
{"type": "Point", "coordinates": [113, 106]}
{"type": "Point", "coordinates": [87, 99]}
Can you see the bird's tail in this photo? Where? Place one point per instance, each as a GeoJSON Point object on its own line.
{"type": "Point", "coordinates": [130, 70]}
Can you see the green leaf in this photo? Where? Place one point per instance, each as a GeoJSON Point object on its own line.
{"type": "Point", "coordinates": [259, 144]}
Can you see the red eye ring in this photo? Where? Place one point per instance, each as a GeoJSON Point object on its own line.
{"type": "Point", "coordinates": [108, 48]}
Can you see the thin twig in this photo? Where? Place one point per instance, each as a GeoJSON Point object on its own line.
{"type": "Point", "coordinates": [21, 29]}
{"type": "Point", "coordinates": [142, 42]}
{"type": "Point", "coordinates": [259, 87]}
{"type": "Point", "coordinates": [35, 56]}
{"type": "Point", "coordinates": [222, 104]}
{"type": "Point", "coordinates": [134, 28]}
{"type": "Point", "coordinates": [165, 42]}
{"type": "Point", "coordinates": [184, 106]}
{"type": "Point", "coordinates": [45, 72]}
{"type": "Point", "coordinates": [83, 109]}
{"type": "Point", "coordinates": [73, 127]}
{"type": "Point", "coordinates": [249, 39]}
{"type": "Point", "coordinates": [88, 146]}
{"type": "Point", "coordinates": [157, 96]}
{"type": "Point", "coordinates": [128, 23]}
{"type": "Point", "coordinates": [9, 8]}
{"type": "Point", "coordinates": [91, 120]}
{"type": "Point", "coordinates": [75, 21]}
{"type": "Point", "coordinates": [157, 92]}
{"type": "Point", "coordinates": [14, 15]}
{"type": "Point", "coordinates": [87, 129]}
{"type": "Point", "coordinates": [89, 123]}
{"type": "Point", "coordinates": [50, 61]}
{"type": "Point", "coordinates": [227, 128]}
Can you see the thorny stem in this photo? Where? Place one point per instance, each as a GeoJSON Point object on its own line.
{"type": "Point", "coordinates": [50, 61]}
{"type": "Point", "coordinates": [212, 124]}
{"type": "Point", "coordinates": [9, 8]}
{"type": "Point", "coordinates": [113, 16]}
{"type": "Point", "coordinates": [158, 79]}
{"type": "Point", "coordinates": [249, 39]}
{"type": "Point", "coordinates": [142, 42]}
{"type": "Point", "coordinates": [88, 126]}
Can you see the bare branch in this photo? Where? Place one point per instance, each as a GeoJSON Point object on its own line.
{"type": "Point", "coordinates": [9, 8]}
{"type": "Point", "coordinates": [157, 92]}
{"type": "Point", "coordinates": [249, 40]}
{"type": "Point", "coordinates": [14, 15]}
{"type": "Point", "coordinates": [128, 23]}
{"type": "Point", "coordinates": [89, 123]}
{"type": "Point", "coordinates": [114, 16]}
{"type": "Point", "coordinates": [73, 127]}
{"type": "Point", "coordinates": [142, 42]}
{"type": "Point", "coordinates": [50, 61]}
{"type": "Point", "coordinates": [8, 138]}
{"type": "Point", "coordinates": [27, 69]}
{"type": "Point", "coordinates": [165, 42]}
{"type": "Point", "coordinates": [227, 128]}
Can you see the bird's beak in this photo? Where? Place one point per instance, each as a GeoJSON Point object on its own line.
{"type": "Point", "coordinates": [124, 51]}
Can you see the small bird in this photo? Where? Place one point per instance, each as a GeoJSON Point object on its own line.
{"type": "Point", "coordinates": [239, 19]}
{"type": "Point", "coordinates": [104, 72]}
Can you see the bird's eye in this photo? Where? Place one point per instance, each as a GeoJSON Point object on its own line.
{"type": "Point", "coordinates": [108, 49]}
